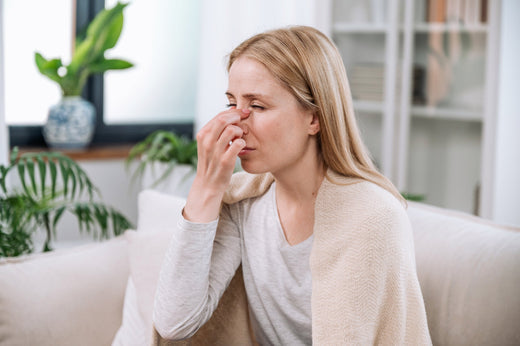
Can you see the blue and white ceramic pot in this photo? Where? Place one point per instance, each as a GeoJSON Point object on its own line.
{"type": "Point", "coordinates": [70, 124]}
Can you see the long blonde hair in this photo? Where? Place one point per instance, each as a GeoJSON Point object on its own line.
{"type": "Point", "coordinates": [309, 65]}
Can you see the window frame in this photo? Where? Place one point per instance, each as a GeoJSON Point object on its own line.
{"type": "Point", "coordinates": [31, 135]}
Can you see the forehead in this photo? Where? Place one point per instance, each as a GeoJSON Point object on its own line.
{"type": "Point", "coordinates": [248, 76]}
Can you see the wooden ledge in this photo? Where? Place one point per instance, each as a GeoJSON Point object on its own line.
{"type": "Point", "coordinates": [106, 152]}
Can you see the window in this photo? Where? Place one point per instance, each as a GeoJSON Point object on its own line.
{"type": "Point", "coordinates": [21, 40]}
{"type": "Point", "coordinates": [160, 37]}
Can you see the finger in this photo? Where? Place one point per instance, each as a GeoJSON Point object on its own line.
{"type": "Point", "coordinates": [230, 133]}
{"type": "Point", "coordinates": [234, 149]}
{"type": "Point", "coordinates": [214, 128]}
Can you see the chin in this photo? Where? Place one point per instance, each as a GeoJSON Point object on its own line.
{"type": "Point", "coordinates": [251, 168]}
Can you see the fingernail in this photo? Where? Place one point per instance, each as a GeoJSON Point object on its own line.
{"type": "Point", "coordinates": [246, 111]}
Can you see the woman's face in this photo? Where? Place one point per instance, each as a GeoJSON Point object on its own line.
{"type": "Point", "coordinates": [279, 132]}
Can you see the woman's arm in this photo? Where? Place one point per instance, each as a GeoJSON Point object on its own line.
{"type": "Point", "coordinates": [198, 266]}
{"type": "Point", "coordinates": [218, 145]}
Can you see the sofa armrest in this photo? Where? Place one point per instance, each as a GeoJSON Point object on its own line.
{"type": "Point", "coordinates": [66, 297]}
{"type": "Point", "coordinates": [469, 271]}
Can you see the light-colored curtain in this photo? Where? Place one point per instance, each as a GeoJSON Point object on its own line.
{"type": "Point", "coordinates": [4, 135]}
{"type": "Point", "coordinates": [226, 23]}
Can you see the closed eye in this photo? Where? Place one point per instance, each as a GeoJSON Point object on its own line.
{"type": "Point", "coordinates": [231, 105]}
{"type": "Point", "coordinates": [257, 107]}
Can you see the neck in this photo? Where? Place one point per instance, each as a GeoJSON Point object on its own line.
{"type": "Point", "coordinates": [300, 183]}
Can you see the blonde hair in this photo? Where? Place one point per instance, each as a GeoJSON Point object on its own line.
{"type": "Point", "coordinates": [309, 65]}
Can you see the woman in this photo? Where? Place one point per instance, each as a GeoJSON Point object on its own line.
{"type": "Point", "coordinates": [323, 239]}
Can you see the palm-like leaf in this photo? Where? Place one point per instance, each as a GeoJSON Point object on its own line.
{"type": "Point", "coordinates": [15, 227]}
{"type": "Point", "coordinates": [162, 146]}
{"type": "Point", "coordinates": [50, 185]}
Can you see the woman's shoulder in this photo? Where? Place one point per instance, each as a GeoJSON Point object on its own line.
{"type": "Point", "coordinates": [245, 185]}
{"type": "Point", "coordinates": [358, 192]}
{"type": "Point", "coordinates": [360, 202]}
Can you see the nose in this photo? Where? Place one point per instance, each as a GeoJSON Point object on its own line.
{"type": "Point", "coordinates": [243, 124]}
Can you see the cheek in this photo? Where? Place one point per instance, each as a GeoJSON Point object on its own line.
{"type": "Point", "coordinates": [279, 130]}
{"type": "Point", "coordinates": [275, 134]}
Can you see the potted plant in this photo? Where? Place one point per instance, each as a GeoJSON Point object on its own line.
{"type": "Point", "coordinates": [165, 162]}
{"type": "Point", "coordinates": [50, 184]}
{"type": "Point", "coordinates": [71, 122]}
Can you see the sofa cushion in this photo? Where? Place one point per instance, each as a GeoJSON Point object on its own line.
{"type": "Point", "coordinates": [65, 297]}
{"type": "Point", "coordinates": [158, 214]}
{"type": "Point", "coordinates": [132, 331]}
{"type": "Point", "coordinates": [158, 211]}
{"type": "Point", "coordinates": [469, 271]}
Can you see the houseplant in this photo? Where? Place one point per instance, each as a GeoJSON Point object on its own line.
{"type": "Point", "coordinates": [165, 161]}
{"type": "Point", "coordinates": [71, 122]}
{"type": "Point", "coordinates": [50, 184]}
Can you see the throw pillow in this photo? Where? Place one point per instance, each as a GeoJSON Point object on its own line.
{"type": "Point", "coordinates": [132, 331]}
{"type": "Point", "coordinates": [158, 214]}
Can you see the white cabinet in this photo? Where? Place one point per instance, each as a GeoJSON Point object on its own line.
{"type": "Point", "coordinates": [423, 75]}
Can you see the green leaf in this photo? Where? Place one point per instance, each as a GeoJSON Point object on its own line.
{"type": "Point", "coordinates": [109, 38]}
{"type": "Point", "coordinates": [74, 180]}
{"type": "Point", "coordinates": [48, 68]}
{"type": "Point", "coordinates": [162, 146]}
{"type": "Point", "coordinates": [57, 216]}
{"type": "Point", "coordinates": [30, 170]}
{"type": "Point", "coordinates": [102, 34]}
{"type": "Point", "coordinates": [101, 216]}
{"type": "Point", "coordinates": [80, 37]}
{"type": "Point", "coordinates": [3, 175]}
{"type": "Point", "coordinates": [21, 213]}
{"type": "Point", "coordinates": [65, 172]}
{"type": "Point", "coordinates": [14, 156]}
{"type": "Point", "coordinates": [42, 169]}
{"type": "Point", "coordinates": [109, 64]}
{"type": "Point", "coordinates": [81, 56]}
{"type": "Point", "coordinates": [111, 18]}
{"type": "Point", "coordinates": [21, 174]}
{"type": "Point", "coordinates": [54, 174]}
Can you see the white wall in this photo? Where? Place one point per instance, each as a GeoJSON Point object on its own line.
{"type": "Point", "coordinates": [4, 135]}
{"type": "Point", "coordinates": [226, 23]}
{"type": "Point", "coordinates": [506, 206]}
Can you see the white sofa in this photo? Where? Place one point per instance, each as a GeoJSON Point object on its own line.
{"type": "Point", "coordinates": [102, 293]}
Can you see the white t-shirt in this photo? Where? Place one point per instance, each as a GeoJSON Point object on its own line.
{"type": "Point", "coordinates": [203, 258]}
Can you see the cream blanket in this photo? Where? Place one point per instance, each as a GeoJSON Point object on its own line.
{"type": "Point", "coordinates": [365, 289]}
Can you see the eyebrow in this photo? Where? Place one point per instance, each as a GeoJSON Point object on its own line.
{"type": "Point", "coordinates": [250, 96]}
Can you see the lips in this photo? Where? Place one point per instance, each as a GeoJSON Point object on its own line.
{"type": "Point", "coordinates": [245, 151]}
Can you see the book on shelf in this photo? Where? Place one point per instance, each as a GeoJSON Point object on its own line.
{"type": "Point", "coordinates": [483, 11]}
{"type": "Point", "coordinates": [367, 81]}
{"type": "Point", "coordinates": [467, 12]}
{"type": "Point", "coordinates": [436, 11]}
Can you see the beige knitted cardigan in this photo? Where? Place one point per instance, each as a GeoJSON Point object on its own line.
{"type": "Point", "coordinates": [364, 283]}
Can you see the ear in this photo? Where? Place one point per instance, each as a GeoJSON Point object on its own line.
{"type": "Point", "coordinates": [314, 126]}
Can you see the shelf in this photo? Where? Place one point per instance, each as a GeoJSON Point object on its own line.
{"type": "Point", "coordinates": [359, 28]}
{"type": "Point", "coordinates": [450, 27]}
{"type": "Point", "coordinates": [422, 111]}
{"type": "Point", "coordinates": [428, 117]}
{"type": "Point", "coordinates": [446, 113]}
{"type": "Point", "coordinates": [420, 28]}
{"type": "Point", "coordinates": [368, 106]}
{"type": "Point", "coordinates": [107, 152]}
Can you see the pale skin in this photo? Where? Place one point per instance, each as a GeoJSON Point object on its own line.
{"type": "Point", "coordinates": [270, 132]}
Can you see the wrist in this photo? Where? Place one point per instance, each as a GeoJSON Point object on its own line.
{"type": "Point", "coordinates": [203, 203]}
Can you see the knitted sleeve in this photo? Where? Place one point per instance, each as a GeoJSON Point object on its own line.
{"type": "Point", "coordinates": [199, 264]}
